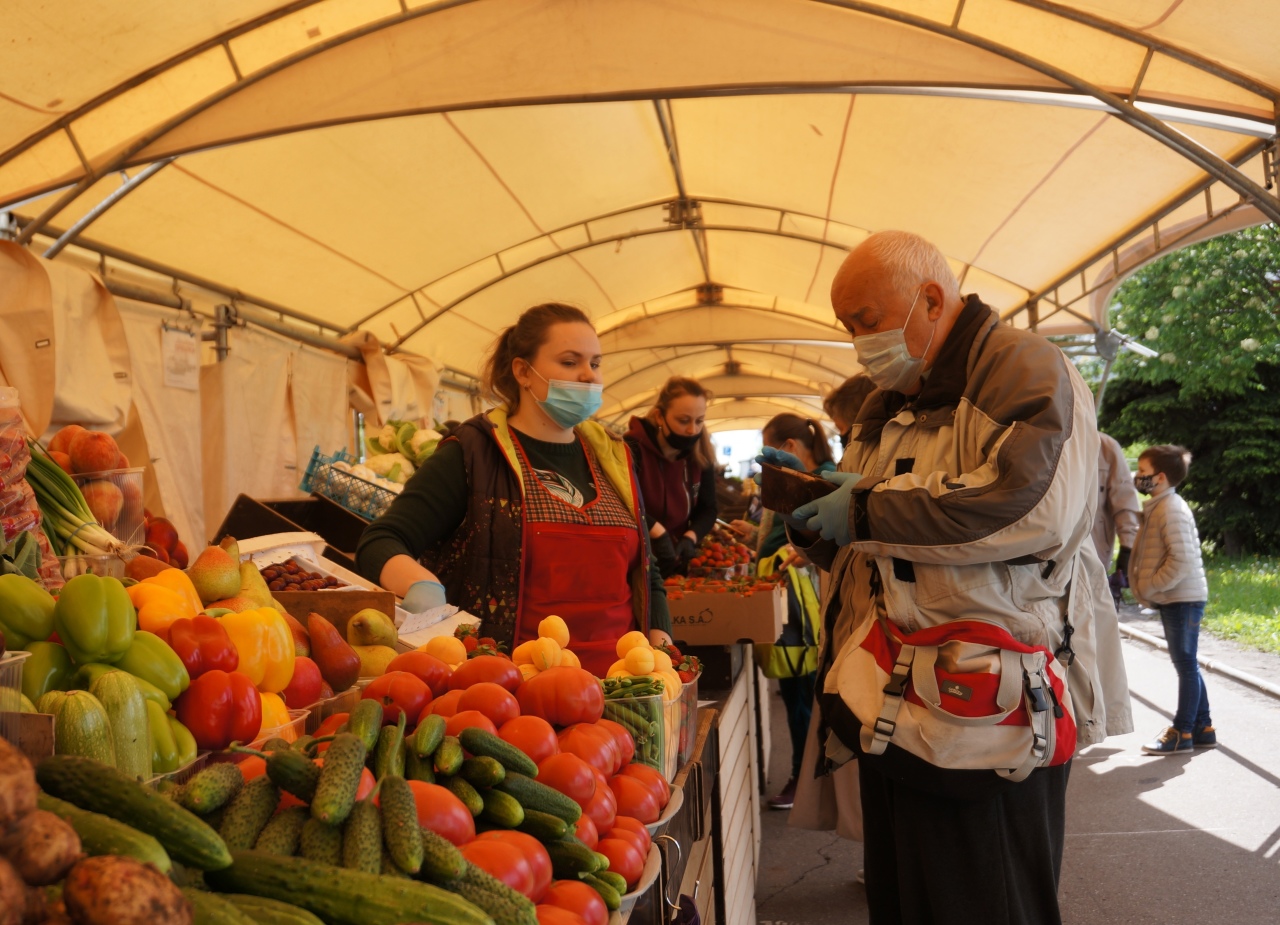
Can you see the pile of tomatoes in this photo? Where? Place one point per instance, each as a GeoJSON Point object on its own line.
{"type": "Point", "coordinates": [744, 586]}
{"type": "Point", "coordinates": [720, 550]}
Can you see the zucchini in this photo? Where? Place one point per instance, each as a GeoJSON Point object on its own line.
{"type": "Point", "coordinates": [442, 862]}
{"type": "Point", "coordinates": [209, 909]}
{"type": "Point", "coordinates": [483, 742]}
{"type": "Point", "coordinates": [212, 788]}
{"type": "Point", "coordinates": [428, 736]}
{"type": "Point", "coordinates": [400, 831]}
{"type": "Point", "coordinates": [249, 812]}
{"type": "Point", "coordinates": [533, 795]}
{"type": "Point", "coordinates": [344, 897]}
{"type": "Point", "coordinates": [101, 834]}
{"type": "Point", "coordinates": [340, 778]}
{"type": "Point", "coordinates": [448, 757]}
{"type": "Point", "coordinates": [482, 771]}
{"type": "Point", "coordinates": [365, 722]}
{"type": "Point", "coordinates": [502, 809]}
{"type": "Point", "coordinates": [283, 833]}
{"type": "Point", "coordinates": [105, 790]}
{"type": "Point", "coordinates": [269, 911]}
{"type": "Point", "coordinates": [544, 826]}
{"type": "Point", "coordinates": [469, 796]}
{"type": "Point", "coordinates": [130, 732]}
{"type": "Point", "coordinates": [80, 725]}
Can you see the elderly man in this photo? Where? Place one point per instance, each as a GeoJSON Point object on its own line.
{"type": "Point", "coordinates": [968, 491]}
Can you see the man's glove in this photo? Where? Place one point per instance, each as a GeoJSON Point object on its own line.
{"type": "Point", "coordinates": [1118, 582]}
{"type": "Point", "coordinates": [1122, 563]}
{"type": "Point", "coordinates": [829, 515]}
{"type": "Point", "coordinates": [686, 549]}
{"type": "Point", "coordinates": [778, 458]}
{"type": "Point", "coordinates": [423, 595]}
{"type": "Point", "coordinates": [665, 553]}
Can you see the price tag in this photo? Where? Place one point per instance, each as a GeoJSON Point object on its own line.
{"type": "Point", "coordinates": [180, 354]}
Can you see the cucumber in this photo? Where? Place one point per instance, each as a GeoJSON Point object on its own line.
{"type": "Point", "coordinates": [344, 897]}
{"type": "Point", "coordinates": [249, 812]}
{"type": "Point", "coordinates": [275, 743]}
{"type": "Point", "coordinates": [105, 790]}
{"type": "Point", "coordinates": [469, 796]}
{"type": "Point", "coordinates": [340, 778]}
{"type": "Point", "coordinates": [388, 756]}
{"type": "Point", "coordinates": [448, 757]}
{"type": "Point", "coordinates": [365, 722]}
{"type": "Point", "coordinates": [482, 771]}
{"type": "Point", "coordinates": [482, 742]}
{"type": "Point", "coordinates": [212, 788]}
{"type": "Point", "coordinates": [416, 768]}
{"type": "Point", "coordinates": [293, 772]}
{"type": "Point", "coordinates": [130, 731]}
{"type": "Point", "coordinates": [570, 857]}
{"type": "Point", "coordinates": [442, 862]}
{"type": "Point", "coordinates": [101, 834]}
{"type": "Point", "coordinates": [269, 911]}
{"type": "Point", "coordinates": [321, 843]}
{"type": "Point", "coordinates": [283, 833]}
{"type": "Point", "coordinates": [362, 838]}
{"type": "Point", "coordinates": [507, 906]}
{"type": "Point", "coordinates": [533, 795]}
{"type": "Point", "coordinates": [544, 826]}
{"type": "Point", "coordinates": [612, 878]}
{"type": "Point", "coordinates": [209, 909]}
{"type": "Point", "coordinates": [389, 867]}
{"type": "Point", "coordinates": [428, 736]}
{"type": "Point", "coordinates": [400, 831]}
{"type": "Point", "coordinates": [612, 898]}
{"type": "Point", "coordinates": [502, 809]}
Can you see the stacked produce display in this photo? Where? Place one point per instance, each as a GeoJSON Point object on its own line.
{"type": "Point", "coordinates": [720, 554]}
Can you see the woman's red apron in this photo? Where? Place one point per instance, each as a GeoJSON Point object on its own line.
{"type": "Point", "coordinates": [577, 564]}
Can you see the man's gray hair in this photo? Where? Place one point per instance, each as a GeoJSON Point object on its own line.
{"type": "Point", "coordinates": [911, 261]}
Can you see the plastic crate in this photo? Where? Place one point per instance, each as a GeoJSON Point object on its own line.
{"type": "Point", "coordinates": [127, 526]}
{"type": "Point", "coordinates": [290, 731]}
{"type": "Point", "coordinates": [11, 693]}
{"type": "Point", "coordinates": [355, 494]}
{"type": "Point", "coordinates": [106, 566]}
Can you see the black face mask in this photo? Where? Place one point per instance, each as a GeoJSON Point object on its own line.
{"type": "Point", "coordinates": [681, 443]}
{"type": "Point", "coordinates": [845, 437]}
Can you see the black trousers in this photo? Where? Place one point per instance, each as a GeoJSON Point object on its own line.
{"type": "Point", "coordinates": [934, 856]}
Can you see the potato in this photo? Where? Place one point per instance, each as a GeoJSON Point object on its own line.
{"type": "Point", "coordinates": [41, 847]}
{"type": "Point", "coordinates": [113, 890]}
{"type": "Point", "coordinates": [17, 786]}
{"type": "Point", "coordinates": [13, 895]}
{"type": "Point", "coordinates": [37, 912]}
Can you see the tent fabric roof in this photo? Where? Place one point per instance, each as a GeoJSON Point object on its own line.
{"type": "Point", "coordinates": [691, 172]}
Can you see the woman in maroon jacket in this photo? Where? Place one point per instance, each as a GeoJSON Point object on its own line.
{"type": "Point", "coordinates": [675, 467]}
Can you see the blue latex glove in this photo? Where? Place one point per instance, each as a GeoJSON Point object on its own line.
{"type": "Point", "coordinates": [423, 595]}
{"type": "Point", "coordinates": [778, 458]}
{"type": "Point", "coordinates": [830, 515]}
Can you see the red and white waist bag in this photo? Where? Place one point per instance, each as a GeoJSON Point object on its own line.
{"type": "Point", "coordinates": [963, 695]}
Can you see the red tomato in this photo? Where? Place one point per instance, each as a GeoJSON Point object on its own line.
{"type": "Point", "coordinates": [577, 897]}
{"type": "Point", "coordinates": [624, 859]}
{"type": "Point", "coordinates": [651, 778]}
{"type": "Point", "coordinates": [635, 798]}
{"type": "Point", "coordinates": [502, 860]}
{"type": "Point", "coordinates": [557, 915]}
{"type": "Point", "coordinates": [570, 775]}
{"type": "Point", "coordinates": [446, 704]}
{"type": "Point", "coordinates": [363, 790]}
{"type": "Point", "coordinates": [398, 691]}
{"type": "Point", "coordinates": [426, 667]}
{"type": "Point", "coordinates": [626, 744]}
{"type": "Point", "coordinates": [464, 718]}
{"type": "Point", "coordinates": [635, 826]}
{"type": "Point", "coordinates": [443, 813]}
{"type": "Point", "coordinates": [586, 831]}
{"type": "Point", "coordinates": [592, 744]}
{"type": "Point", "coordinates": [493, 668]}
{"type": "Point", "coordinates": [562, 696]}
{"type": "Point", "coordinates": [602, 807]}
{"type": "Point", "coordinates": [534, 853]}
{"type": "Point", "coordinates": [533, 735]}
{"type": "Point", "coordinates": [493, 700]}
{"type": "Point", "coordinates": [304, 686]}
{"type": "Point", "coordinates": [628, 836]}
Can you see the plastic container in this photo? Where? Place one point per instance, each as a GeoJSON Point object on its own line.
{"type": "Point", "coordinates": [321, 710]}
{"type": "Point", "coordinates": [118, 492]}
{"type": "Point", "coordinates": [290, 731]}
{"type": "Point", "coordinates": [186, 772]}
{"type": "Point", "coordinates": [683, 715]}
{"type": "Point", "coordinates": [103, 566]}
{"type": "Point", "coordinates": [357, 495]}
{"type": "Point", "coordinates": [11, 693]}
{"type": "Point", "coordinates": [646, 719]}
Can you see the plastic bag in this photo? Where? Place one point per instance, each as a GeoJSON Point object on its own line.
{"type": "Point", "coordinates": [19, 511]}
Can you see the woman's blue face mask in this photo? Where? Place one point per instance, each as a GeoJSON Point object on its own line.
{"type": "Point", "coordinates": [569, 403]}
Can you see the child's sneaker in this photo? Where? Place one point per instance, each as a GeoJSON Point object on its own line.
{"type": "Point", "coordinates": [1204, 737]}
{"type": "Point", "coordinates": [1170, 742]}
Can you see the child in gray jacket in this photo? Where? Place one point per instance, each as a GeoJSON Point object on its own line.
{"type": "Point", "coordinates": [1166, 572]}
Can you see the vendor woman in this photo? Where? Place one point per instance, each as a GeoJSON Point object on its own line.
{"type": "Point", "coordinates": [529, 509]}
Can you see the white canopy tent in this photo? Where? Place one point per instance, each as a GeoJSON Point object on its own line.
{"type": "Point", "coordinates": [689, 171]}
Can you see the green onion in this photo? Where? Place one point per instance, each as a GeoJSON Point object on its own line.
{"type": "Point", "coordinates": [68, 522]}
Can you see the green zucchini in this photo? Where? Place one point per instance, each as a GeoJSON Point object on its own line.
{"type": "Point", "coordinates": [483, 742]}
{"type": "Point", "coordinates": [130, 732]}
{"type": "Point", "coordinates": [101, 834]}
{"type": "Point", "coordinates": [80, 725]}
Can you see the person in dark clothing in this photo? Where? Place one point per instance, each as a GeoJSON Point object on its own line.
{"type": "Point", "coordinates": [675, 463]}
{"type": "Point", "coordinates": [845, 401]}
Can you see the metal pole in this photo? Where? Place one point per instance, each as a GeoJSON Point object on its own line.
{"type": "Point", "coordinates": [125, 188]}
{"type": "Point", "coordinates": [222, 322]}
{"type": "Point", "coordinates": [1102, 386]}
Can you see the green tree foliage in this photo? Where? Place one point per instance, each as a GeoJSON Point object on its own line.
{"type": "Point", "coordinates": [1212, 310]}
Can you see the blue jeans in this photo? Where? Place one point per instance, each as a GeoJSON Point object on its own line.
{"type": "Point", "coordinates": [1182, 632]}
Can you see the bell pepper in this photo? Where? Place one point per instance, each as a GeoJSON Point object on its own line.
{"type": "Point", "coordinates": [47, 668]}
{"type": "Point", "coordinates": [151, 659]}
{"type": "Point", "coordinates": [89, 673]}
{"type": "Point", "coordinates": [203, 644]}
{"type": "Point", "coordinates": [163, 598]}
{"type": "Point", "coordinates": [274, 712]}
{"type": "Point", "coordinates": [265, 644]}
{"type": "Point", "coordinates": [186, 742]}
{"type": "Point", "coordinates": [95, 619]}
{"type": "Point", "coordinates": [26, 611]}
{"type": "Point", "coordinates": [164, 748]}
{"type": "Point", "coordinates": [221, 707]}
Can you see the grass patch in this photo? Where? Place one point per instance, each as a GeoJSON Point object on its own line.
{"type": "Point", "coordinates": [1244, 600]}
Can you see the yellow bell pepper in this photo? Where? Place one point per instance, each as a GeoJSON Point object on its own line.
{"type": "Point", "coordinates": [265, 645]}
{"type": "Point", "coordinates": [163, 598]}
{"type": "Point", "coordinates": [274, 713]}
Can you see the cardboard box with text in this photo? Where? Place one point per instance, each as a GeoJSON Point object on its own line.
{"type": "Point", "coordinates": [703, 619]}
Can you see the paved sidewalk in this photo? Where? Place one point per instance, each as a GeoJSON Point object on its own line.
{"type": "Point", "coordinates": [1192, 839]}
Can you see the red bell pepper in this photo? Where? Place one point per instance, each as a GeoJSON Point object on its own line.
{"type": "Point", "coordinates": [220, 708]}
{"type": "Point", "coordinates": [203, 645]}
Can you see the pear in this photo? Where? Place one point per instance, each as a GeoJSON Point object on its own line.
{"type": "Point", "coordinates": [229, 545]}
{"type": "Point", "coordinates": [374, 660]}
{"type": "Point", "coordinates": [371, 627]}
{"type": "Point", "coordinates": [339, 663]}
{"type": "Point", "coordinates": [237, 604]}
{"type": "Point", "coordinates": [254, 587]}
{"type": "Point", "coordinates": [215, 575]}
{"type": "Point", "coordinates": [301, 641]}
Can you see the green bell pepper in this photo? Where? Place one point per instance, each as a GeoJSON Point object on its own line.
{"type": "Point", "coordinates": [47, 668]}
{"type": "Point", "coordinates": [164, 748]}
{"type": "Point", "coordinates": [26, 611]}
{"type": "Point", "coordinates": [89, 673]}
{"type": "Point", "coordinates": [185, 741]}
{"type": "Point", "coordinates": [150, 658]}
{"type": "Point", "coordinates": [95, 619]}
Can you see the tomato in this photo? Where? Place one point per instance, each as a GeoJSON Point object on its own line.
{"type": "Point", "coordinates": [602, 807]}
{"type": "Point", "coordinates": [362, 790]}
{"type": "Point", "coordinates": [651, 778]}
{"type": "Point", "coordinates": [533, 735]}
{"type": "Point", "coordinates": [443, 813]}
{"type": "Point", "coordinates": [592, 744]}
{"type": "Point", "coordinates": [425, 667]}
{"type": "Point", "coordinates": [628, 836]}
{"type": "Point", "coordinates": [577, 897]}
{"type": "Point", "coordinates": [635, 798]}
{"type": "Point", "coordinates": [446, 704]}
{"type": "Point", "coordinates": [398, 691]}
{"type": "Point", "coordinates": [466, 718]}
{"type": "Point", "coordinates": [557, 915]}
{"type": "Point", "coordinates": [502, 860]}
{"type": "Point", "coordinates": [562, 696]}
{"type": "Point", "coordinates": [626, 744]}
{"type": "Point", "coordinates": [494, 668]}
{"type": "Point", "coordinates": [635, 826]}
{"type": "Point", "coordinates": [493, 700]}
{"type": "Point", "coordinates": [570, 775]}
{"type": "Point", "coordinates": [624, 859]}
{"type": "Point", "coordinates": [534, 853]}
{"type": "Point", "coordinates": [586, 832]}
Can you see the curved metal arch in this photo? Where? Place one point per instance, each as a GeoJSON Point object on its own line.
{"type": "Point", "coordinates": [725, 348]}
{"type": "Point", "coordinates": [839, 337]}
{"type": "Point", "coordinates": [801, 386]}
{"type": "Point", "coordinates": [630, 407]}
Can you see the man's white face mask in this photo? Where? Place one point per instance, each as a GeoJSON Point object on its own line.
{"type": "Point", "coordinates": [886, 358]}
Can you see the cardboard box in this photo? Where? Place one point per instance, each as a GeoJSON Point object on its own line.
{"type": "Point", "coordinates": [336, 606]}
{"type": "Point", "coordinates": [702, 619]}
